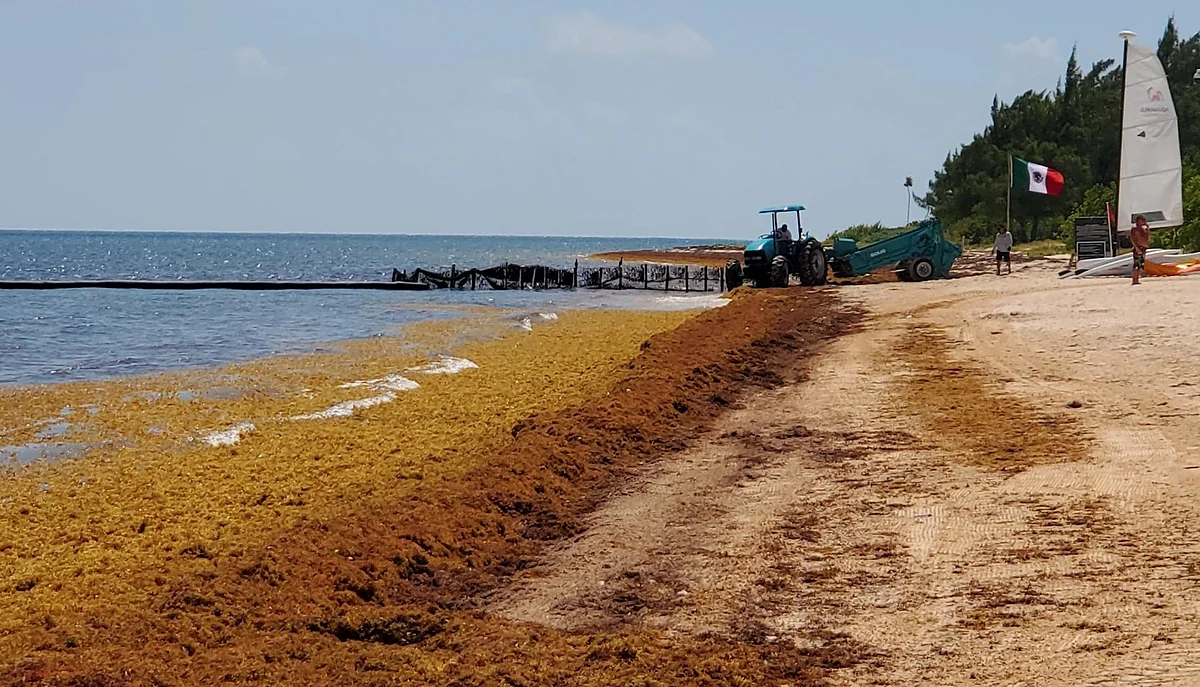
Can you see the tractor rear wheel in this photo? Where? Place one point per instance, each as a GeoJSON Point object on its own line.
{"type": "Point", "coordinates": [733, 275]}
{"type": "Point", "coordinates": [921, 269]}
{"type": "Point", "coordinates": [813, 270]}
{"type": "Point", "coordinates": [779, 271]}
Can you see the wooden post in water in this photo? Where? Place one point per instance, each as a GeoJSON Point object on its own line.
{"type": "Point", "coordinates": [474, 274]}
{"type": "Point", "coordinates": [453, 270]}
{"type": "Point", "coordinates": [667, 284]}
{"type": "Point", "coordinates": [620, 273]}
{"type": "Point", "coordinates": [645, 276]}
{"type": "Point", "coordinates": [721, 278]}
{"type": "Point", "coordinates": [686, 271]}
{"type": "Point", "coordinates": [575, 275]}
{"type": "Point", "coordinates": [706, 278]}
{"type": "Point", "coordinates": [505, 282]}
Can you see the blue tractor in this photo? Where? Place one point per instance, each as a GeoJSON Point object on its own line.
{"type": "Point", "coordinates": [773, 258]}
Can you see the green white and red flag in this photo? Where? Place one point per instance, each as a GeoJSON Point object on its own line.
{"type": "Point", "coordinates": [1036, 178]}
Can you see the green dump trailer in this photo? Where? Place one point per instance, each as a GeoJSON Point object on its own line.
{"type": "Point", "coordinates": [918, 254]}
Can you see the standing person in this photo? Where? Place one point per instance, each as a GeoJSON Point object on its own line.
{"type": "Point", "coordinates": [1003, 249]}
{"type": "Point", "coordinates": [1139, 236]}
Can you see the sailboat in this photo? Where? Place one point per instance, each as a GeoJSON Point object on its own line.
{"type": "Point", "coordinates": [1151, 170]}
{"type": "Point", "coordinates": [1151, 176]}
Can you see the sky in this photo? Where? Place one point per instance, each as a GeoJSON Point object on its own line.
{"type": "Point", "coordinates": [678, 118]}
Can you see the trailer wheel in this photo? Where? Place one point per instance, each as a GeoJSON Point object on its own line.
{"type": "Point", "coordinates": [903, 272]}
{"type": "Point", "coordinates": [813, 269]}
{"type": "Point", "coordinates": [921, 269]}
{"type": "Point", "coordinates": [733, 275]}
{"type": "Point", "coordinates": [779, 271]}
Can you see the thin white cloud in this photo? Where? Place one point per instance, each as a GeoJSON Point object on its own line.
{"type": "Point", "coordinates": [250, 62]}
{"type": "Point", "coordinates": [587, 34]}
{"type": "Point", "coordinates": [1034, 47]}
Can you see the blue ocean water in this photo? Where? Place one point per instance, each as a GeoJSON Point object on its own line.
{"type": "Point", "coordinates": [69, 335]}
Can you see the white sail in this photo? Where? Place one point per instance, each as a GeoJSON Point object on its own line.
{"type": "Point", "coordinates": [1151, 171]}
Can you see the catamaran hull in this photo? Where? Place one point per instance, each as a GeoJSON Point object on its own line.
{"type": "Point", "coordinates": [1122, 265]}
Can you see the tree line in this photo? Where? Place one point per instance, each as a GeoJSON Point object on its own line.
{"type": "Point", "coordinates": [1075, 129]}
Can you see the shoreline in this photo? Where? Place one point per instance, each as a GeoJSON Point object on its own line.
{"type": "Point", "coordinates": [27, 408]}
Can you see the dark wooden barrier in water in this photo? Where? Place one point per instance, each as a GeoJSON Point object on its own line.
{"type": "Point", "coordinates": [654, 277]}
{"type": "Point", "coordinates": [647, 276]}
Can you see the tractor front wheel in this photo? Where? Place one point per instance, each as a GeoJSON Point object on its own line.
{"type": "Point", "coordinates": [779, 271]}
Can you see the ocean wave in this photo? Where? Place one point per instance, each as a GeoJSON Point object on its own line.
{"type": "Point", "coordinates": [445, 365]}
{"type": "Point", "coordinates": [388, 383]}
{"type": "Point", "coordinates": [347, 408]}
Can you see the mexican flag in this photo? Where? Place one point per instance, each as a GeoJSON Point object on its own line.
{"type": "Point", "coordinates": [1036, 178]}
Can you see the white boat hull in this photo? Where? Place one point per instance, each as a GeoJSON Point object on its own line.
{"type": "Point", "coordinates": [1097, 262]}
{"type": "Point", "coordinates": [1122, 265]}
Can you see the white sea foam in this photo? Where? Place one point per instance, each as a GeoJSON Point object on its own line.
{"type": "Point", "coordinates": [694, 302]}
{"type": "Point", "coordinates": [347, 408]}
{"type": "Point", "coordinates": [445, 365]}
{"type": "Point", "coordinates": [229, 437]}
{"type": "Point", "coordinates": [526, 324]}
{"type": "Point", "coordinates": [388, 383]}
{"type": "Point", "coordinates": [548, 315]}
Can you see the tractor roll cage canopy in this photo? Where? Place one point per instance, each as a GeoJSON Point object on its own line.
{"type": "Point", "coordinates": [774, 211]}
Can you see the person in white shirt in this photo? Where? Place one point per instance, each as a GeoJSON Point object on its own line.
{"type": "Point", "coordinates": [1003, 249]}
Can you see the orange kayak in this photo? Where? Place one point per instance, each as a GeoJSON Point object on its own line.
{"type": "Point", "coordinates": [1155, 269]}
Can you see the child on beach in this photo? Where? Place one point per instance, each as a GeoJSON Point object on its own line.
{"type": "Point", "coordinates": [1139, 236]}
{"type": "Point", "coordinates": [1003, 249]}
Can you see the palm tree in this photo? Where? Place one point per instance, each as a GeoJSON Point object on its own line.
{"type": "Point", "coordinates": [908, 184]}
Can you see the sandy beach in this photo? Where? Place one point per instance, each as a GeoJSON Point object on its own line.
{"type": "Point", "coordinates": [991, 481]}
{"type": "Point", "coordinates": [981, 480]}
